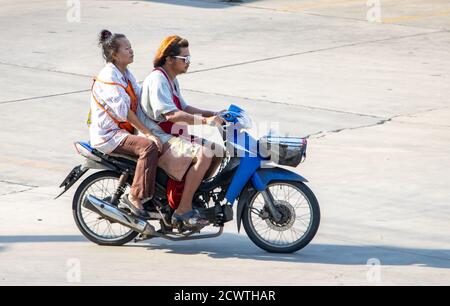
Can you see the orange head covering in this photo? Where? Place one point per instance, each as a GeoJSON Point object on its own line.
{"type": "Point", "coordinates": [165, 44]}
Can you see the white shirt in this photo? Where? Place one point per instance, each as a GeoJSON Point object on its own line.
{"type": "Point", "coordinates": [156, 101]}
{"type": "Point", "coordinates": [105, 135]}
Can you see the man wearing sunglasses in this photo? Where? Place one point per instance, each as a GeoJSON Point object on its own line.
{"type": "Point", "coordinates": [164, 111]}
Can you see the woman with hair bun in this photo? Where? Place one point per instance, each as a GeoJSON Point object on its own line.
{"type": "Point", "coordinates": [113, 120]}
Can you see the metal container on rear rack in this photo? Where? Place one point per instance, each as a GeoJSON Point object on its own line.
{"type": "Point", "coordinates": [285, 151]}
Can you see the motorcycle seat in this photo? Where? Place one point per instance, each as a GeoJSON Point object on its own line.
{"type": "Point", "coordinates": [132, 158]}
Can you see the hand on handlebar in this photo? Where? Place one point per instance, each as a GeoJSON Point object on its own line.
{"type": "Point", "coordinates": [215, 121]}
{"type": "Point", "coordinates": [220, 112]}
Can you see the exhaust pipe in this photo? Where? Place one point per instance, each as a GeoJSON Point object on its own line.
{"type": "Point", "coordinates": [111, 212]}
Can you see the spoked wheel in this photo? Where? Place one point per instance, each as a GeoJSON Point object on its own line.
{"type": "Point", "coordinates": [300, 218]}
{"type": "Point", "coordinates": [94, 227]}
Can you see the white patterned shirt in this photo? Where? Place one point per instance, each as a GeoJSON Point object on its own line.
{"type": "Point", "coordinates": [105, 135]}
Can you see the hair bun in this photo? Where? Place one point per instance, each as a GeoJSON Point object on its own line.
{"type": "Point", "coordinates": [104, 35]}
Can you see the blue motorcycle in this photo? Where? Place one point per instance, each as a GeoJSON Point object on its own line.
{"type": "Point", "coordinates": [279, 212]}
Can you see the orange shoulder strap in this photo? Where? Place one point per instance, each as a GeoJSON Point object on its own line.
{"type": "Point", "coordinates": [133, 97]}
{"type": "Point", "coordinates": [108, 83]}
{"type": "Point", "coordinates": [99, 104]}
{"type": "Point", "coordinates": [129, 90]}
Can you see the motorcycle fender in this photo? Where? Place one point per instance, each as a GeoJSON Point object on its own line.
{"type": "Point", "coordinates": [259, 182]}
{"type": "Point", "coordinates": [244, 199]}
{"type": "Point", "coordinates": [78, 172]}
{"type": "Point", "coordinates": [263, 177]}
{"type": "Point", "coordinates": [72, 178]}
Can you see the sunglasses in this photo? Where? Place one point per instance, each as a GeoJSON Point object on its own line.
{"type": "Point", "coordinates": [187, 59]}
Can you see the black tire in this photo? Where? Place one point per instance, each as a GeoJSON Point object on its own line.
{"type": "Point", "coordinates": [76, 209]}
{"type": "Point", "coordinates": [305, 239]}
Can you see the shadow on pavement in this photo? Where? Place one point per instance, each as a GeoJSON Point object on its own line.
{"type": "Point", "coordinates": [39, 238]}
{"type": "Point", "coordinates": [239, 246]}
{"type": "Point", "coordinates": [231, 245]}
{"type": "Point", "coordinates": [212, 4]}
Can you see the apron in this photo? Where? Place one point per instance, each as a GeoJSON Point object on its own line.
{"type": "Point", "coordinates": [174, 188]}
{"type": "Point", "coordinates": [167, 125]}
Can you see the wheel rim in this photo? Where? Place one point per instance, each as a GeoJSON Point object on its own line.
{"type": "Point", "coordinates": [296, 216]}
{"type": "Point", "coordinates": [95, 225]}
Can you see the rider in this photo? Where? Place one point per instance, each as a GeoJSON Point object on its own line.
{"type": "Point", "coordinates": [113, 120]}
{"type": "Point", "coordinates": [161, 102]}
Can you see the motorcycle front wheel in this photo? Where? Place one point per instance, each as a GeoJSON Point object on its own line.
{"type": "Point", "coordinates": [300, 218]}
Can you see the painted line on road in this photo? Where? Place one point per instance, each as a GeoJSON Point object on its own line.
{"type": "Point", "coordinates": [17, 191]}
{"type": "Point", "coordinates": [17, 184]}
{"type": "Point", "coordinates": [41, 69]}
{"type": "Point", "coordinates": [416, 17]}
{"type": "Point", "coordinates": [298, 7]}
{"type": "Point", "coordinates": [24, 187]}
{"type": "Point", "coordinates": [319, 50]}
{"type": "Point", "coordinates": [47, 96]}
{"type": "Point", "coordinates": [285, 104]}
{"type": "Point", "coordinates": [322, 134]}
{"type": "Point", "coordinates": [320, 4]}
{"type": "Point", "coordinates": [253, 61]}
{"type": "Point", "coordinates": [307, 9]}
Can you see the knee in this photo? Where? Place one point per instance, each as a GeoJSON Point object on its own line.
{"type": "Point", "coordinates": [149, 149]}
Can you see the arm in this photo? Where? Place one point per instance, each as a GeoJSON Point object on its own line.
{"type": "Point", "coordinates": [136, 123]}
{"type": "Point", "coordinates": [185, 117]}
{"type": "Point", "coordinates": [193, 110]}
{"type": "Point", "coordinates": [163, 106]}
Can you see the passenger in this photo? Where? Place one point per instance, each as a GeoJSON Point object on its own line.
{"type": "Point", "coordinates": [113, 120]}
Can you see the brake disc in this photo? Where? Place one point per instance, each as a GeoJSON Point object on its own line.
{"type": "Point", "coordinates": [288, 216]}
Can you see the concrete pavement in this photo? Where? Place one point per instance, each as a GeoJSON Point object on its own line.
{"type": "Point", "coordinates": [373, 97]}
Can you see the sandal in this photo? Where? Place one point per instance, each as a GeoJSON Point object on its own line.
{"type": "Point", "coordinates": [191, 219]}
{"type": "Point", "coordinates": [140, 213]}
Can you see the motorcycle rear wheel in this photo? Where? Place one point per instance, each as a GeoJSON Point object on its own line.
{"type": "Point", "coordinates": [94, 227]}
